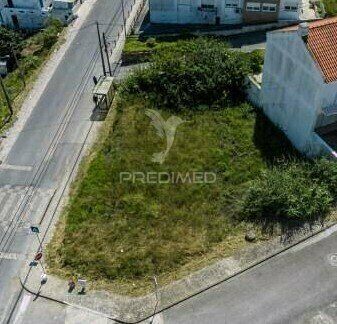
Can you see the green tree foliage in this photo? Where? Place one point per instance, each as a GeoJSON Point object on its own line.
{"type": "Point", "coordinates": [330, 7]}
{"type": "Point", "coordinates": [256, 59]}
{"type": "Point", "coordinates": [9, 38]}
{"type": "Point", "coordinates": [195, 74]}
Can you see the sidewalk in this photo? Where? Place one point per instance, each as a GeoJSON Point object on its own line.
{"type": "Point", "coordinates": [135, 309]}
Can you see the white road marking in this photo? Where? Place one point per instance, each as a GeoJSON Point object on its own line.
{"type": "Point", "coordinates": [16, 167]}
{"type": "Point", "coordinates": [13, 208]}
{"type": "Point", "coordinates": [11, 204]}
{"type": "Point", "coordinates": [22, 309]}
{"type": "Point", "coordinates": [11, 256]}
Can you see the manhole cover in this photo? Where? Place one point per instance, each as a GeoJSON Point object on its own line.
{"type": "Point", "coordinates": [332, 258]}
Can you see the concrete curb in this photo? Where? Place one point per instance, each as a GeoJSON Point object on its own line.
{"type": "Point", "coordinates": [136, 310]}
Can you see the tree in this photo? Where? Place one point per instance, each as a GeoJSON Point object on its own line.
{"type": "Point", "coordinates": [9, 39]}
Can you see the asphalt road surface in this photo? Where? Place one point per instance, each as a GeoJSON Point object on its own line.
{"type": "Point", "coordinates": [48, 146]}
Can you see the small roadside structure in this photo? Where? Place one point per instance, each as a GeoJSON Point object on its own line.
{"type": "Point", "coordinates": [103, 92]}
{"type": "Point", "coordinates": [299, 87]}
{"type": "Point", "coordinates": [103, 95]}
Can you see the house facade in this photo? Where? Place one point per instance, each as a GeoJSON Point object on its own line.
{"type": "Point", "coordinates": [299, 85]}
{"type": "Point", "coordinates": [32, 14]}
{"type": "Point", "coordinates": [225, 11]}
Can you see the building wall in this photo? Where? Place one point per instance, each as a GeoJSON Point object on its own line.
{"type": "Point", "coordinates": [26, 18]}
{"type": "Point", "coordinates": [227, 11]}
{"type": "Point", "coordinates": [293, 90]}
{"type": "Point", "coordinates": [252, 17]}
{"type": "Point", "coordinates": [290, 9]}
{"type": "Point", "coordinates": [27, 4]}
{"type": "Point", "coordinates": [32, 14]}
{"type": "Point", "coordinates": [64, 9]}
{"type": "Point", "coordinates": [188, 11]}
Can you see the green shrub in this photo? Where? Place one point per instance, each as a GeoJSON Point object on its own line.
{"type": "Point", "coordinates": [45, 40]}
{"type": "Point", "coordinates": [256, 59]}
{"type": "Point", "coordinates": [9, 38]}
{"type": "Point", "coordinates": [330, 7]}
{"type": "Point", "coordinates": [286, 194]}
{"type": "Point", "coordinates": [325, 171]}
{"type": "Point", "coordinates": [196, 73]}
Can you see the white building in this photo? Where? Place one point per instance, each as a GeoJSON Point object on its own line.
{"type": "Point", "coordinates": [32, 14]}
{"type": "Point", "coordinates": [196, 11]}
{"type": "Point", "coordinates": [299, 85]}
{"type": "Point", "coordinates": [228, 11]}
{"type": "Point", "coordinates": [25, 14]}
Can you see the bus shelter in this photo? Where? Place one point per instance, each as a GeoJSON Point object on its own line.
{"type": "Point", "coordinates": [104, 92]}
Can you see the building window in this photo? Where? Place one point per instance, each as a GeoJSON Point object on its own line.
{"type": "Point", "coordinates": [268, 7]}
{"type": "Point", "coordinates": [205, 6]}
{"type": "Point", "coordinates": [290, 8]}
{"type": "Point", "coordinates": [253, 6]}
{"type": "Point", "coordinates": [232, 3]}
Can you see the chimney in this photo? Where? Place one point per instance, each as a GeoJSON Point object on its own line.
{"type": "Point", "coordinates": [303, 31]}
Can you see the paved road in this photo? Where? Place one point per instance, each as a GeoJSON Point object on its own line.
{"type": "Point", "coordinates": [48, 147]}
{"type": "Point", "coordinates": [297, 287]}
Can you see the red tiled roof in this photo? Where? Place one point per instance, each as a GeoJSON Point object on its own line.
{"type": "Point", "coordinates": [322, 43]}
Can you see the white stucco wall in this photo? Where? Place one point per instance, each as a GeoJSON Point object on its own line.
{"type": "Point", "coordinates": [27, 18]}
{"type": "Point", "coordinates": [287, 14]}
{"type": "Point", "coordinates": [186, 12]}
{"type": "Point", "coordinates": [31, 15]}
{"type": "Point", "coordinates": [293, 90]}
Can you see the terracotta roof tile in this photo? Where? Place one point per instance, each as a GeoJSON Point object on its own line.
{"type": "Point", "coordinates": [322, 43]}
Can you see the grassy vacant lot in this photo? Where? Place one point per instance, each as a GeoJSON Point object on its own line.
{"type": "Point", "coordinates": [32, 52]}
{"type": "Point", "coordinates": [120, 234]}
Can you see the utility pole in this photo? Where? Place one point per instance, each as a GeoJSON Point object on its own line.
{"type": "Point", "coordinates": [124, 20]}
{"type": "Point", "coordinates": [107, 53]}
{"type": "Point", "coordinates": [100, 48]}
{"type": "Point", "coordinates": [18, 66]}
{"type": "Point", "coordinates": [9, 105]}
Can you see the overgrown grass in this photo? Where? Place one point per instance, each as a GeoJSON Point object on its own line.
{"type": "Point", "coordinates": [121, 233]}
{"type": "Point", "coordinates": [152, 44]}
{"type": "Point", "coordinates": [36, 49]}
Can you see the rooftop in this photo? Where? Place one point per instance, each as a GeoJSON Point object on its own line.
{"type": "Point", "coordinates": [322, 44]}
